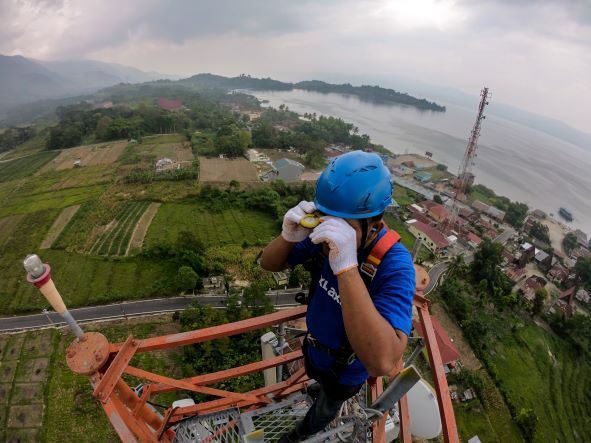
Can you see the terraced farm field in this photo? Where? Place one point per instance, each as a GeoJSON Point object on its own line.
{"type": "Point", "coordinates": [540, 371]}
{"type": "Point", "coordinates": [23, 167]}
{"type": "Point", "coordinates": [232, 226]}
{"type": "Point", "coordinates": [115, 239]}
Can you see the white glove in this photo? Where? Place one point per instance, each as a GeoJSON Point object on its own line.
{"type": "Point", "coordinates": [342, 242]}
{"type": "Point", "coordinates": [291, 230]}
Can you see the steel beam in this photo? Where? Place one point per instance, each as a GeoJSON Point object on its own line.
{"type": "Point", "coordinates": [215, 332]}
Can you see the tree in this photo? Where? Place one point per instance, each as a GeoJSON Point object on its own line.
{"type": "Point", "coordinates": [437, 199]}
{"type": "Point", "coordinates": [583, 270]}
{"type": "Point", "coordinates": [527, 420]}
{"type": "Point", "coordinates": [486, 267]}
{"type": "Point", "coordinates": [256, 301]}
{"type": "Point", "coordinates": [569, 242]}
{"type": "Point", "coordinates": [540, 231]}
{"type": "Point", "coordinates": [538, 305]}
{"type": "Point", "coordinates": [186, 278]}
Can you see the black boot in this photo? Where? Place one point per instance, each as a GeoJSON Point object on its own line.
{"type": "Point", "coordinates": [290, 437]}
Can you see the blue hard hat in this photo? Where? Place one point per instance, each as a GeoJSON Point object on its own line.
{"type": "Point", "coordinates": [354, 185]}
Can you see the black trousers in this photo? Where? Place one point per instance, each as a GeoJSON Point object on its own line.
{"type": "Point", "coordinates": [327, 405]}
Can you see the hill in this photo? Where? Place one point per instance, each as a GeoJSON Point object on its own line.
{"type": "Point", "coordinates": [375, 94]}
{"type": "Point", "coordinates": [24, 80]}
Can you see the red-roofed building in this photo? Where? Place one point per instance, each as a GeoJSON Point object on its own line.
{"type": "Point", "coordinates": [435, 210]}
{"type": "Point", "coordinates": [566, 302]}
{"type": "Point", "coordinates": [449, 353]}
{"type": "Point", "coordinates": [433, 240]}
{"type": "Point", "coordinates": [170, 105]}
{"type": "Point", "coordinates": [473, 239]}
{"type": "Point", "coordinates": [515, 274]}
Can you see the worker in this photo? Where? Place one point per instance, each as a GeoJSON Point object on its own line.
{"type": "Point", "coordinates": [360, 303]}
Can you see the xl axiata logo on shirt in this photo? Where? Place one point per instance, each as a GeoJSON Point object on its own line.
{"type": "Point", "coordinates": [332, 293]}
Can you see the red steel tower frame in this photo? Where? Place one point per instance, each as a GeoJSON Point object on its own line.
{"type": "Point", "coordinates": [464, 171]}
{"type": "Point", "coordinates": [134, 420]}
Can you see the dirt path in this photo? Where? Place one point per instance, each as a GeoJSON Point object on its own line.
{"type": "Point", "coordinates": [556, 231]}
{"type": "Point", "coordinates": [141, 228]}
{"type": "Point", "coordinates": [58, 226]}
{"type": "Point", "coordinates": [467, 356]}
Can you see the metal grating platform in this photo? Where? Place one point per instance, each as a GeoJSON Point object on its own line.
{"type": "Point", "coordinates": [218, 427]}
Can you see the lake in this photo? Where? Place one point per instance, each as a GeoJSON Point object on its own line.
{"type": "Point", "coordinates": [514, 160]}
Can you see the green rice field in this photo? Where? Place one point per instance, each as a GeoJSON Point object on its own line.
{"type": "Point", "coordinates": [26, 166]}
{"type": "Point", "coordinates": [231, 226]}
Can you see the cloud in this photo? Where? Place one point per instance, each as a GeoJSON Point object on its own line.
{"type": "Point", "coordinates": [533, 54]}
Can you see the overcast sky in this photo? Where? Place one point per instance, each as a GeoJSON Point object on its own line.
{"type": "Point", "coordinates": [535, 55]}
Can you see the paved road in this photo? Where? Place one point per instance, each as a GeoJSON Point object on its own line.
{"type": "Point", "coordinates": [434, 274]}
{"type": "Point", "coordinates": [121, 310]}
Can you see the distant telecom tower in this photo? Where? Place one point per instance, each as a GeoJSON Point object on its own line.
{"type": "Point", "coordinates": [465, 176]}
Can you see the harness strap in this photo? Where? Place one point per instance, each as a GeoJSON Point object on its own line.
{"type": "Point", "coordinates": [345, 355]}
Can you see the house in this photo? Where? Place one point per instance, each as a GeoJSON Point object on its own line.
{"type": "Point", "coordinates": [526, 253]}
{"type": "Point", "coordinates": [215, 283]}
{"type": "Point", "coordinates": [468, 394]}
{"type": "Point", "coordinates": [164, 164]}
{"type": "Point", "coordinates": [496, 213]}
{"type": "Point", "coordinates": [423, 176]}
{"type": "Point", "coordinates": [333, 151]}
{"type": "Point", "coordinates": [479, 206]}
{"type": "Point", "coordinates": [473, 240]}
{"type": "Point", "coordinates": [409, 164]}
{"type": "Point", "coordinates": [402, 170]}
{"type": "Point", "coordinates": [543, 260]}
{"type": "Point", "coordinates": [491, 211]}
{"type": "Point", "coordinates": [515, 274]}
{"type": "Point", "coordinates": [580, 252]}
{"type": "Point", "coordinates": [531, 285]}
{"type": "Point", "coordinates": [433, 240]}
{"type": "Point", "coordinates": [538, 213]}
{"type": "Point", "coordinates": [449, 354]}
{"type": "Point", "coordinates": [582, 238]}
{"type": "Point", "coordinates": [466, 212]}
{"type": "Point", "coordinates": [582, 295]}
{"type": "Point", "coordinates": [558, 274]}
{"type": "Point", "coordinates": [566, 302]}
{"type": "Point", "coordinates": [170, 105]}
{"type": "Point", "coordinates": [436, 211]}
{"type": "Point", "coordinates": [281, 278]}
{"type": "Point", "coordinates": [285, 169]}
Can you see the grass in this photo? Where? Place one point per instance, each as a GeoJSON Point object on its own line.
{"type": "Point", "coordinates": [83, 280]}
{"type": "Point", "coordinates": [437, 174]}
{"type": "Point", "coordinates": [25, 362]}
{"type": "Point", "coordinates": [471, 419]}
{"type": "Point", "coordinates": [539, 371]}
{"type": "Point", "coordinates": [26, 166]}
{"type": "Point", "coordinates": [231, 226]}
{"type": "Point", "coordinates": [399, 226]}
{"type": "Point", "coordinates": [163, 138]}
{"type": "Point", "coordinates": [403, 196]}
{"type": "Point", "coordinates": [116, 240]}
{"type": "Point", "coordinates": [21, 202]}
{"type": "Point", "coordinates": [36, 144]}
{"type": "Point", "coordinates": [72, 413]}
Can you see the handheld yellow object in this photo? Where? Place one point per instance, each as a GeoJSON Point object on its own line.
{"type": "Point", "coordinates": [310, 221]}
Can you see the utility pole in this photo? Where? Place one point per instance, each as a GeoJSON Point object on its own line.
{"type": "Point", "coordinates": [465, 176]}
